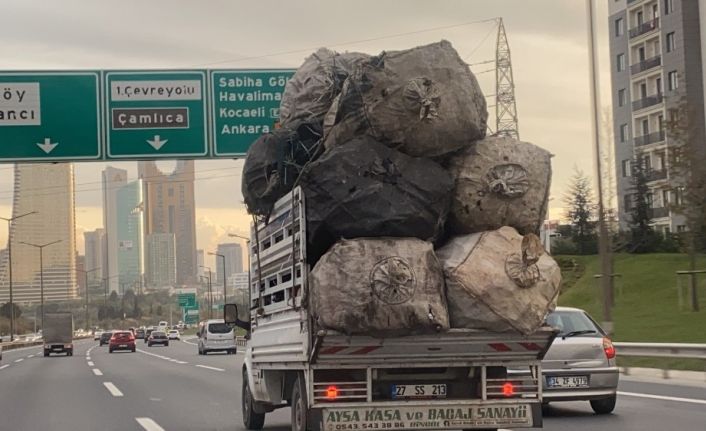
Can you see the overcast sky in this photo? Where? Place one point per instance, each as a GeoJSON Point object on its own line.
{"type": "Point", "coordinates": [547, 40]}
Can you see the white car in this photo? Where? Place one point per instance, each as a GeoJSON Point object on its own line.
{"type": "Point", "coordinates": [173, 334]}
{"type": "Point", "coordinates": [97, 334]}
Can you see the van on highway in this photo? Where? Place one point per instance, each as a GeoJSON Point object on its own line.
{"type": "Point", "coordinates": [216, 336]}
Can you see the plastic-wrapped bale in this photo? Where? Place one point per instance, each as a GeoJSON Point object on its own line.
{"type": "Point", "coordinates": [274, 162]}
{"type": "Point", "coordinates": [309, 93]}
{"type": "Point", "coordinates": [499, 281]}
{"type": "Point", "coordinates": [500, 181]}
{"type": "Point", "coordinates": [423, 101]}
{"type": "Point", "coordinates": [366, 189]}
{"type": "Point", "coordinates": [379, 287]}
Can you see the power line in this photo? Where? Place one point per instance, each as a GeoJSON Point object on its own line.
{"type": "Point", "coordinates": [297, 51]}
{"type": "Point", "coordinates": [473, 51]}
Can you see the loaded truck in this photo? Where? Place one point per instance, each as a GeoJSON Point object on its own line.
{"type": "Point", "coordinates": [455, 379]}
{"type": "Point", "coordinates": [58, 333]}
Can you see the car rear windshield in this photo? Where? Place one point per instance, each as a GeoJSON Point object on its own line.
{"type": "Point", "coordinates": [219, 328]}
{"type": "Point", "coordinates": [157, 334]}
{"type": "Point", "coordinates": [123, 334]}
{"type": "Point", "coordinates": [574, 321]}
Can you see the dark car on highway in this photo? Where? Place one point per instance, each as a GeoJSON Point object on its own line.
{"type": "Point", "coordinates": [148, 332]}
{"type": "Point", "coordinates": [158, 337]}
{"type": "Point", "coordinates": [105, 337]}
{"type": "Point", "coordinates": [140, 334]}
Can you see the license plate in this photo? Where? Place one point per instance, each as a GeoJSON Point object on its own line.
{"type": "Point", "coordinates": [567, 381]}
{"type": "Point", "coordinates": [123, 345]}
{"type": "Point", "coordinates": [419, 391]}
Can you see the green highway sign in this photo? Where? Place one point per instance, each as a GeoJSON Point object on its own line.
{"type": "Point", "coordinates": [155, 114]}
{"type": "Point", "coordinates": [50, 116]}
{"type": "Point", "coordinates": [187, 299]}
{"type": "Point", "coordinates": [244, 105]}
{"type": "Point", "coordinates": [191, 314]}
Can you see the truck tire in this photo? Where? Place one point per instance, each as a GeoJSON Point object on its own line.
{"type": "Point", "coordinates": [46, 353]}
{"type": "Point", "coordinates": [300, 406]}
{"type": "Point", "coordinates": [251, 420]}
{"type": "Point", "coordinates": [70, 352]}
{"type": "Point", "coordinates": [604, 406]}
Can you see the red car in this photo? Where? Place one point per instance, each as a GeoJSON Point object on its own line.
{"type": "Point", "coordinates": [122, 340]}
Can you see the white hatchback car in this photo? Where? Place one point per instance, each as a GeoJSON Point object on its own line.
{"type": "Point", "coordinates": [214, 336]}
{"type": "Point", "coordinates": [173, 334]}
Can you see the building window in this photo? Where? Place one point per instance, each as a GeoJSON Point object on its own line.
{"type": "Point", "coordinates": [650, 200]}
{"type": "Point", "coordinates": [626, 168]}
{"type": "Point", "coordinates": [621, 97]}
{"type": "Point", "coordinates": [623, 132]}
{"type": "Point", "coordinates": [620, 62]}
{"type": "Point", "coordinates": [668, 6]}
{"type": "Point", "coordinates": [619, 27]}
{"type": "Point", "coordinates": [670, 42]}
{"type": "Point", "coordinates": [673, 83]}
{"type": "Point", "coordinates": [665, 198]}
{"type": "Point", "coordinates": [679, 195]}
{"type": "Point", "coordinates": [627, 202]}
{"type": "Point", "coordinates": [681, 228]}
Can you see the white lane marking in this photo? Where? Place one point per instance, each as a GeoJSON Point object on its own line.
{"type": "Point", "coordinates": [97, 372]}
{"type": "Point", "coordinates": [112, 389]}
{"type": "Point", "coordinates": [90, 364]}
{"type": "Point", "coordinates": [148, 424]}
{"type": "Point", "coordinates": [30, 356]}
{"type": "Point", "coordinates": [19, 360]}
{"type": "Point", "coordinates": [88, 358]}
{"type": "Point", "coordinates": [663, 398]}
{"type": "Point", "coordinates": [182, 362]}
{"type": "Point", "coordinates": [210, 368]}
{"type": "Point", "coordinates": [4, 366]}
{"type": "Point", "coordinates": [189, 342]}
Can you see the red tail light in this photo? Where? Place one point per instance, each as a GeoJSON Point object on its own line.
{"type": "Point", "coordinates": [508, 389]}
{"type": "Point", "coordinates": [332, 392]}
{"type": "Point", "coordinates": [608, 348]}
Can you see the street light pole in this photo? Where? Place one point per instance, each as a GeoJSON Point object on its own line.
{"type": "Point", "coordinates": [86, 274]}
{"type": "Point", "coordinates": [9, 262]}
{"type": "Point", "coordinates": [247, 253]}
{"type": "Point", "coordinates": [224, 274]}
{"type": "Point", "coordinates": [210, 292]}
{"type": "Point", "coordinates": [41, 272]}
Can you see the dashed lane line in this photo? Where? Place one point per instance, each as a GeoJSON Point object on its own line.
{"type": "Point", "coordinates": [114, 391]}
{"type": "Point", "coordinates": [30, 356]}
{"type": "Point", "coordinates": [209, 368]}
{"type": "Point", "coordinates": [4, 366]}
{"type": "Point", "coordinates": [149, 424]}
{"type": "Point", "coordinates": [90, 364]}
{"type": "Point", "coordinates": [19, 360]}
{"type": "Point", "coordinates": [663, 398]}
{"type": "Point", "coordinates": [97, 372]}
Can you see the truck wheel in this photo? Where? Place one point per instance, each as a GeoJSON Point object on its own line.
{"type": "Point", "coordinates": [46, 353]}
{"type": "Point", "coordinates": [299, 404]}
{"type": "Point", "coordinates": [604, 406]}
{"type": "Point", "coordinates": [251, 420]}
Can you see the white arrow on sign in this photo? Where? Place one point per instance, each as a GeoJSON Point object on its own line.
{"type": "Point", "coordinates": [47, 146]}
{"type": "Point", "coordinates": [156, 142]}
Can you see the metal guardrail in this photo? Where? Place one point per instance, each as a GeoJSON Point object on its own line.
{"type": "Point", "coordinates": [662, 350]}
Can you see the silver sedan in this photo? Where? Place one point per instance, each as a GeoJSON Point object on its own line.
{"type": "Point", "coordinates": [580, 364]}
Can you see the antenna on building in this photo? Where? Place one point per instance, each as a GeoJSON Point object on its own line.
{"type": "Point", "coordinates": [505, 107]}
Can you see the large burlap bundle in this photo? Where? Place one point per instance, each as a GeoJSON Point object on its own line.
{"type": "Point", "coordinates": [274, 162]}
{"type": "Point", "coordinates": [379, 287]}
{"type": "Point", "coordinates": [499, 281]}
{"type": "Point", "coordinates": [364, 188]}
{"type": "Point", "coordinates": [500, 181]}
{"type": "Point", "coordinates": [423, 101]}
{"type": "Point", "coordinates": [311, 90]}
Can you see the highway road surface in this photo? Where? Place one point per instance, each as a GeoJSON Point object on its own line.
{"type": "Point", "coordinates": [172, 388]}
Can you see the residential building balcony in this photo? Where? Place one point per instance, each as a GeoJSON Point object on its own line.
{"type": "Point", "coordinates": [646, 64]}
{"type": "Point", "coordinates": [650, 138]}
{"type": "Point", "coordinates": [632, 1]}
{"type": "Point", "coordinates": [659, 212]}
{"type": "Point", "coordinates": [646, 102]}
{"type": "Point", "coordinates": [656, 175]}
{"type": "Point", "coordinates": [645, 27]}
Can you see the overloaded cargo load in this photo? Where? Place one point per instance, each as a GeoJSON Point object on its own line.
{"type": "Point", "coordinates": [379, 287]}
{"type": "Point", "coordinates": [499, 281]}
{"type": "Point", "coordinates": [422, 101]}
{"type": "Point", "coordinates": [316, 83]}
{"type": "Point", "coordinates": [275, 161]}
{"type": "Point", "coordinates": [500, 181]}
{"type": "Point", "coordinates": [366, 189]}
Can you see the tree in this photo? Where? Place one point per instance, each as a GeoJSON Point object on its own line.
{"type": "Point", "coordinates": [6, 311]}
{"type": "Point", "coordinates": [643, 238]}
{"type": "Point", "coordinates": [581, 209]}
{"type": "Point", "coordinates": [685, 131]}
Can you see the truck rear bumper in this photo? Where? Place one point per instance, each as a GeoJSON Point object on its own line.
{"type": "Point", "coordinates": [427, 416]}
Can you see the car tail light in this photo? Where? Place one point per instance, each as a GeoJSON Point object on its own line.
{"type": "Point", "coordinates": [68, 346]}
{"type": "Point", "coordinates": [608, 348]}
{"type": "Point", "coordinates": [332, 392]}
{"type": "Point", "coordinates": [508, 389]}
